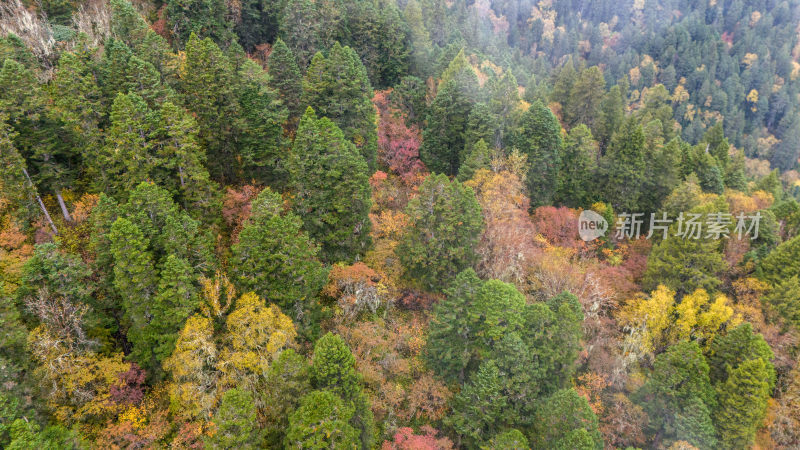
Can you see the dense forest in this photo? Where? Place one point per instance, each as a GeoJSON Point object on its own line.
{"type": "Point", "coordinates": [354, 224]}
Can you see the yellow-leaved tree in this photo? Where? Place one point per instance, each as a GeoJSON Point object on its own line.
{"type": "Point", "coordinates": [205, 364]}
{"type": "Point", "coordinates": [659, 320]}
{"type": "Point", "coordinates": [76, 381]}
{"type": "Point", "coordinates": [192, 366]}
{"type": "Point", "coordinates": [255, 334]}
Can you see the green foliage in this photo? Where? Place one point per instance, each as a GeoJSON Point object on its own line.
{"type": "Point", "coordinates": [333, 370]}
{"type": "Point", "coordinates": [503, 105]}
{"type": "Point", "coordinates": [127, 159]}
{"type": "Point", "coordinates": [482, 125]}
{"type": "Point", "coordinates": [467, 323]}
{"type": "Point", "coordinates": [208, 84]}
{"type": "Point", "coordinates": [276, 260]}
{"type": "Point", "coordinates": [257, 22]}
{"type": "Point", "coordinates": [206, 18]}
{"type": "Point", "coordinates": [78, 103]}
{"type": "Point", "coordinates": [180, 151]}
{"type": "Point", "coordinates": [739, 345]}
{"type": "Point", "coordinates": [585, 98]}
{"type": "Point", "coordinates": [126, 23]}
{"type": "Point", "coordinates": [533, 347]}
{"type": "Point", "coordinates": [445, 223]}
{"type": "Point", "coordinates": [53, 273]}
{"type": "Point", "coordinates": [685, 264]}
{"type": "Point", "coordinates": [611, 116]}
{"type": "Point", "coordinates": [13, 47]}
{"type": "Point", "coordinates": [15, 188]}
{"type": "Point", "coordinates": [135, 281]}
{"type": "Point", "coordinates": [337, 87]}
{"type": "Point", "coordinates": [259, 131]}
{"type": "Point", "coordinates": [772, 185]}
{"type": "Point", "coordinates": [155, 252]}
{"type": "Point", "coordinates": [512, 439]}
{"type": "Point", "coordinates": [622, 168]}
{"type": "Point", "coordinates": [333, 367]}
{"type": "Point", "coordinates": [662, 172]}
{"type": "Point", "coordinates": [322, 422]}
{"type": "Point", "coordinates": [743, 403]}
{"type": "Point", "coordinates": [478, 158]}
{"type": "Point", "coordinates": [678, 396]}
{"type": "Point", "coordinates": [331, 188]}
{"type": "Point", "coordinates": [539, 137]}
{"type": "Point", "coordinates": [175, 301]}
{"type": "Point", "coordinates": [235, 424]}
{"type": "Point", "coordinates": [444, 138]}
{"type": "Point", "coordinates": [307, 28]}
{"type": "Point", "coordinates": [286, 383]}
{"type": "Point", "coordinates": [735, 177]}
{"type": "Point", "coordinates": [782, 263]}
{"type": "Point", "coordinates": [27, 435]}
{"type": "Point", "coordinates": [478, 408]}
{"type": "Point", "coordinates": [377, 32]}
{"type": "Point", "coordinates": [559, 419]}
{"type": "Point", "coordinates": [784, 299]}
{"type": "Point", "coordinates": [694, 425]}
{"type": "Point", "coordinates": [578, 167]}
{"type": "Point", "coordinates": [285, 78]}
{"type": "Point", "coordinates": [708, 172]}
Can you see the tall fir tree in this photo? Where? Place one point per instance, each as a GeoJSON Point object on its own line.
{"type": "Point", "coordinates": [679, 380]}
{"type": "Point", "coordinates": [206, 18]}
{"type": "Point", "coordinates": [135, 280]}
{"type": "Point", "coordinates": [277, 261]}
{"type": "Point", "coordinates": [286, 79]}
{"type": "Point", "coordinates": [330, 181]}
{"type": "Point", "coordinates": [623, 168]}
{"type": "Point", "coordinates": [467, 323]}
{"type": "Point", "coordinates": [127, 157]}
{"type": "Point", "coordinates": [478, 158]}
{"type": "Point", "coordinates": [322, 421]}
{"type": "Point", "coordinates": [78, 104]}
{"type": "Point", "coordinates": [578, 168]}
{"type": "Point", "coordinates": [585, 98]}
{"type": "Point", "coordinates": [445, 223]}
{"type": "Point", "coordinates": [333, 370]}
{"type": "Point", "coordinates": [333, 367]}
{"type": "Point", "coordinates": [207, 81]}
{"type": "Point", "coordinates": [176, 299]}
{"type": "Point", "coordinates": [781, 263]}
{"type": "Point", "coordinates": [261, 144]}
{"type": "Point", "coordinates": [126, 23]}
{"type": "Point", "coordinates": [611, 116]}
{"type": "Point", "coordinates": [235, 423]}
{"type": "Point", "coordinates": [734, 348]}
{"type": "Point", "coordinates": [743, 399]}
{"type": "Point", "coordinates": [504, 105]}
{"type": "Point", "coordinates": [478, 409]}
{"type": "Point", "coordinates": [14, 185]}
{"type": "Point", "coordinates": [539, 137]}
{"type": "Point", "coordinates": [564, 419]}
{"type": "Point", "coordinates": [684, 263]}
{"type": "Point", "coordinates": [735, 177]}
{"type": "Point", "coordinates": [337, 87]}
{"type": "Point", "coordinates": [179, 150]}
{"type": "Point", "coordinates": [445, 136]}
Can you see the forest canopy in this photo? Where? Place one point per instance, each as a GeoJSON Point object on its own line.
{"type": "Point", "coordinates": [357, 224]}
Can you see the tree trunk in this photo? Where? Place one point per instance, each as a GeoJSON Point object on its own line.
{"type": "Point", "coordinates": [41, 203]}
{"type": "Point", "coordinates": [63, 206]}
